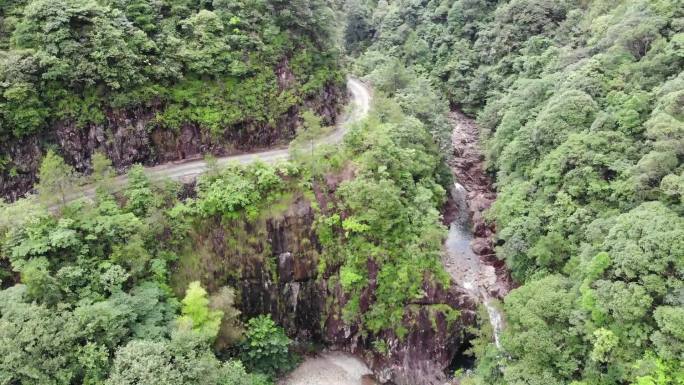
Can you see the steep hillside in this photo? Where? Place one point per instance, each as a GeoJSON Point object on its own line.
{"type": "Point", "coordinates": [231, 278]}
{"type": "Point", "coordinates": [341, 247]}
{"type": "Point", "coordinates": [149, 82]}
{"type": "Point", "coordinates": [580, 109]}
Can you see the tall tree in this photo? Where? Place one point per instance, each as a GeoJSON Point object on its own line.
{"type": "Point", "coordinates": [311, 129]}
{"type": "Point", "coordinates": [103, 173]}
{"type": "Point", "coordinates": [56, 179]}
{"type": "Point", "coordinates": [231, 328]}
{"type": "Point", "coordinates": [197, 314]}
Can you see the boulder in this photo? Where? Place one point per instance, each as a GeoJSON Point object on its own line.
{"type": "Point", "coordinates": [482, 246]}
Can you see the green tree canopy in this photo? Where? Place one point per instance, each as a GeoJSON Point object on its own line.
{"type": "Point", "coordinates": [196, 313]}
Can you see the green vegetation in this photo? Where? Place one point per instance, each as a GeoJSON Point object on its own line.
{"type": "Point", "coordinates": [230, 193]}
{"type": "Point", "coordinates": [94, 305]}
{"type": "Point", "coordinates": [196, 313]}
{"type": "Point", "coordinates": [580, 104]}
{"type": "Point", "coordinates": [214, 64]}
{"type": "Point", "coordinates": [391, 232]}
{"type": "Point", "coordinates": [266, 347]}
{"type": "Point", "coordinates": [111, 259]}
{"type": "Point", "coordinates": [303, 147]}
{"type": "Point", "coordinates": [182, 360]}
{"type": "Point", "coordinates": [390, 208]}
{"type": "Point", "coordinates": [57, 179]}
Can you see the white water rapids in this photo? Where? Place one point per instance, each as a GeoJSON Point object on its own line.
{"type": "Point", "coordinates": [465, 267]}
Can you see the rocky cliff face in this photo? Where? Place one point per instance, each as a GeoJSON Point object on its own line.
{"type": "Point", "coordinates": [129, 136]}
{"type": "Point", "coordinates": [423, 355]}
{"type": "Point", "coordinates": [273, 262]}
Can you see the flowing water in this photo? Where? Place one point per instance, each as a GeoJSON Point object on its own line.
{"type": "Point", "coordinates": [495, 319]}
{"type": "Point", "coordinates": [468, 270]}
{"type": "Point", "coordinates": [469, 256]}
{"type": "Point", "coordinates": [465, 267]}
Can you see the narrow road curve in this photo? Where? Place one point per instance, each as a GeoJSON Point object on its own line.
{"type": "Point", "coordinates": [186, 171]}
{"type": "Point", "coordinates": [360, 105]}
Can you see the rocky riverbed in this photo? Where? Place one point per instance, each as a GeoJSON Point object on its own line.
{"type": "Point", "coordinates": [469, 249]}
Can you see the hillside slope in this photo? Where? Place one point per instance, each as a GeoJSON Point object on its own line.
{"type": "Point", "coordinates": [580, 110]}
{"type": "Point", "coordinates": [149, 82]}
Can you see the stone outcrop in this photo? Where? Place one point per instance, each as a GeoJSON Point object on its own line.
{"type": "Point", "coordinates": [272, 261]}
{"type": "Point", "coordinates": [18, 177]}
{"type": "Point", "coordinates": [422, 357]}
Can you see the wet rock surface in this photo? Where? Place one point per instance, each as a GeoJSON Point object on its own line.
{"type": "Point", "coordinates": [272, 262]}
{"type": "Point", "coordinates": [471, 237]}
{"type": "Point", "coordinates": [273, 265]}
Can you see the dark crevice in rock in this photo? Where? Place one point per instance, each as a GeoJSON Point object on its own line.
{"type": "Point", "coordinates": [462, 359]}
{"type": "Point", "coordinates": [274, 269]}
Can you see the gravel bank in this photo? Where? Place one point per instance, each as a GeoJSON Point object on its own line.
{"type": "Point", "coordinates": [330, 368]}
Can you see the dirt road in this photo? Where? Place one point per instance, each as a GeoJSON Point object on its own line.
{"type": "Point", "coordinates": [360, 103]}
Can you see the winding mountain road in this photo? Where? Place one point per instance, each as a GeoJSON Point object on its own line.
{"type": "Point", "coordinates": [360, 102]}
{"type": "Point", "coordinates": [186, 171]}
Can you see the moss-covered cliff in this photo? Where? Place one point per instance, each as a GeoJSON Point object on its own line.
{"type": "Point", "coordinates": [273, 260]}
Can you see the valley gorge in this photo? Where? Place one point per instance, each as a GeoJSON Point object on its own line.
{"type": "Point", "coordinates": [356, 192]}
{"type": "Point", "coordinates": [273, 264]}
{"type": "Point", "coordinates": [469, 256]}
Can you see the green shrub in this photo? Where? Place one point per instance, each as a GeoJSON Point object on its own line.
{"type": "Point", "coordinates": [266, 348]}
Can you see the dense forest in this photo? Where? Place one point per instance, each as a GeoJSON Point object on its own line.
{"type": "Point", "coordinates": [101, 291]}
{"type": "Point", "coordinates": [95, 306]}
{"type": "Point", "coordinates": [114, 288]}
{"type": "Point", "coordinates": [153, 281]}
{"type": "Point", "coordinates": [86, 293]}
{"type": "Point", "coordinates": [581, 109]}
{"type": "Point", "coordinates": [211, 62]}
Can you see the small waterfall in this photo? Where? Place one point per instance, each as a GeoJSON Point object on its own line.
{"type": "Point", "coordinates": [495, 319]}
{"type": "Point", "coordinates": [295, 296]}
{"type": "Point", "coordinates": [292, 289]}
{"type": "Point", "coordinates": [464, 265]}
{"type": "Point", "coordinates": [458, 194]}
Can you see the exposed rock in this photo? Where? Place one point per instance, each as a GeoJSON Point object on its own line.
{"type": "Point", "coordinates": [482, 246]}
{"type": "Point", "coordinates": [19, 176]}
{"type": "Point", "coordinates": [273, 264]}
{"type": "Point", "coordinates": [468, 168]}
{"type": "Point", "coordinates": [422, 356]}
{"type": "Point", "coordinates": [130, 136]}
{"type": "Point", "coordinates": [469, 248]}
{"type": "Point", "coordinates": [285, 267]}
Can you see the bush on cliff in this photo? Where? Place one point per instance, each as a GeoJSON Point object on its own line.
{"type": "Point", "coordinates": [266, 348]}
